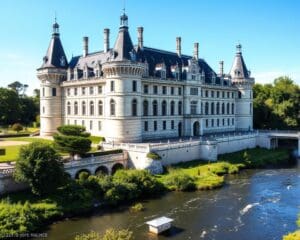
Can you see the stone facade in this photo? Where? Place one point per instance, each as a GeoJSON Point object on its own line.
{"type": "Point", "coordinates": [133, 93]}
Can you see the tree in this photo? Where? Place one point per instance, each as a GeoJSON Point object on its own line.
{"type": "Point", "coordinates": [41, 167]}
{"type": "Point", "coordinates": [17, 127]}
{"type": "Point", "coordinates": [110, 234]}
{"type": "Point", "coordinates": [9, 107]}
{"type": "Point", "coordinates": [18, 87]}
{"type": "Point", "coordinates": [72, 139]}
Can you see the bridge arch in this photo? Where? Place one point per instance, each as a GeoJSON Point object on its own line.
{"type": "Point", "coordinates": [80, 171]}
{"type": "Point", "coordinates": [116, 167]}
{"type": "Point", "coordinates": [101, 170]}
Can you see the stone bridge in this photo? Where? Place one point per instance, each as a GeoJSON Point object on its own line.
{"type": "Point", "coordinates": [274, 135]}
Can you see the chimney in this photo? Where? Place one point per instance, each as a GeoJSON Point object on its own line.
{"type": "Point", "coordinates": [196, 51]}
{"type": "Point", "coordinates": [106, 39]}
{"type": "Point", "coordinates": [178, 46]}
{"type": "Point", "coordinates": [140, 37]}
{"type": "Point", "coordinates": [221, 68]}
{"type": "Point", "coordinates": [85, 46]}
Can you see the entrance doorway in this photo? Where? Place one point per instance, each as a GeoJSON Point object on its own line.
{"type": "Point", "coordinates": [196, 129]}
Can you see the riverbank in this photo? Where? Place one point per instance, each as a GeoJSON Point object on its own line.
{"type": "Point", "coordinates": [24, 212]}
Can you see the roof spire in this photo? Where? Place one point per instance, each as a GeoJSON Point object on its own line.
{"type": "Point", "coordinates": [124, 18]}
{"type": "Point", "coordinates": [239, 48]}
{"type": "Point", "coordinates": [55, 27]}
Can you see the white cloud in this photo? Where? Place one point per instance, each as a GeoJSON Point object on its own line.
{"type": "Point", "coordinates": [269, 76]}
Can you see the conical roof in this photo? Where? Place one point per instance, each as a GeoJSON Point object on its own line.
{"type": "Point", "coordinates": [55, 56]}
{"type": "Point", "coordinates": [239, 69]}
{"type": "Point", "coordinates": [123, 47]}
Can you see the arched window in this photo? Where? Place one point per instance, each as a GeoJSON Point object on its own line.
{"type": "Point", "coordinates": [154, 108]}
{"type": "Point", "coordinates": [206, 108]}
{"type": "Point", "coordinates": [145, 108]}
{"type": "Point", "coordinates": [218, 108]}
{"type": "Point", "coordinates": [232, 108]}
{"type": "Point", "coordinates": [180, 108]}
{"type": "Point", "coordinates": [172, 108]}
{"type": "Point", "coordinates": [223, 108]}
{"type": "Point", "coordinates": [100, 108]}
{"type": "Point", "coordinates": [76, 108]}
{"type": "Point", "coordinates": [91, 108]}
{"type": "Point", "coordinates": [112, 107]}
{"type": "Point", "coordinates": [228, 108]}
{"type": "Point", "coordinates": [83, 108]}
{"type": "Point", "coordinates": [212, 108]}
{"type": "Point", "coordinates": [69, 108]}
{"type": "Point", "coordinates": [240, 94]}
{"type": "Point", "coordinates": [164, 108]}
{"type": "Point", "coordinates": [134, 107]}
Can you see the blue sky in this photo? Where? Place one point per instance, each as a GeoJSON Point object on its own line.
{"type": "Point", "coordinates": [269, 31]}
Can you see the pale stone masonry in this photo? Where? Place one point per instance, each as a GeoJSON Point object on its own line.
{"type": "Point", "coordinates": [134, 93]}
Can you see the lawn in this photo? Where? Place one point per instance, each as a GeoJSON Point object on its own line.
{"type": "Point", "coordinates": [27, 130]}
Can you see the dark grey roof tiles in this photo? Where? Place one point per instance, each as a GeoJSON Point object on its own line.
{"type": "Point", "coordinates": [239, 69]}
{"type": "Point", "coordinates": [123, 47]}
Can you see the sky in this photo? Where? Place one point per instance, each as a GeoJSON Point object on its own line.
{"type": "Point", "coordinates": [269, 31]}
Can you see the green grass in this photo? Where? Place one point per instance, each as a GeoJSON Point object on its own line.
{"type": "Point", "coordinates": [10, 131]}
{"type": "Point", "coordinates": [12, 153]}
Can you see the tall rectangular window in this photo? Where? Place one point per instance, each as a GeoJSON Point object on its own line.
{"type": "Point", "coordinates": [83, 90]}
{"type": "Point", "coordinates": [75, 91]}
{"type": "Point", "coordinates": [53, 92]}
{"type": "Point", "coordinates": [91, 125]}
{"type": "Point", "coordinates": [99, 125]}
{"type": "Point", "coordinates": [134, 87]}
{"type": "Point", "coordinates": [164, 125]}
{"type": "Point", "coordinates": [155, 125]}
{"type": "Point", "coordinates": [146, 89]}
{"type": "Point", "coordinates": [164, 90]}
{"type": "Point", "coordinates": [99, 89]}
{"type": "Point", "coordinates": [179, 91]}
{"type": "Point", "coordinates": [172, 124]}
{"type": "Point", "coordinates": [112, 86]}
{"type": "Point", "coordinates": [172, 90]}
{"type": "Point", "coordinates": [91, 90]}
{"type": "Point", "coordinates": [155, 89]}
{"type": "Point", "coordinates": [194, 91]}
{"type": "Point", "coordinates": [44, 92]}
{"type": "Point", "coordinates": [146, 126]}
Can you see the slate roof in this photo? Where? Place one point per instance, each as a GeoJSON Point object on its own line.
{"type": "Point", "coordinates": [239, 69]}
{"type": "Point", "coordinates": [55, 56]}
{"type": "Point", "coordinates": [123, 47]}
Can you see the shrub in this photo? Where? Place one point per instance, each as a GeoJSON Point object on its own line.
{"type": "Point", "coordinates": [138, 207]}
{"type": "Point", "coordinates": [179, 181]}
{"type": "Point", "coordinates": [73, 130]}
{"type": "Point", "coordinates": [17, 127]}
{"type": "Point", "coordinates": [110, 234]}
{"type": "Point", "coordinates": [153, 156]}
{"type": "Point", "coordinates": [292, 236]}
{"type": "Point", "coordinates": [88, 236]}
{"type": "Point", "coordinates": [41, 167]}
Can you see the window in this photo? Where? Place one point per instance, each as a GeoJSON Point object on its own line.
{"type": "Point", "coordinates": [155, 89]}
{"type": "Point", "coordinates": [112, 86]}
{"type": "Point", "coordinates": [134, 86]}
{"type": "Point", "coordinates": [232, 94]}
{"type": "Point", "coordinates": [212, 108]}
{"type": "Point", "coordinates": [228, 123]}
{"type": "Point", "coordinates": [232, 121]}
{"type": "Point", "coordinates": [240, 94]}
{"type": "Point", "coordinates": [155, 125]}
{"type": "Point", "coordinates": [218, 122]}
{"type": "Point", "coordinates": [228, 108]}
{"type": "Point", "coordinates": [68, 91]}
{"type": "Point", "coordinates": [99, 125]}
{"type": "Point", "coordinates": [75, 91]}
{"type": "Point", "coordinates": [164, 90]}
{"type": "Point", "coordinates": [83, 90]}
{"type": "Point", "coordinates": [212, 122]}
{"type": "Point", "coordinates": [44, 92]}
{"type": "Point", "coordinates": [164, 108]}
{"type": "Point", "coordinates": [53, 92]}
{"type": "Point", "coordinates": [172, 90]}
{"type": "Point", "coordinates": [146, 89]}
{"type": "Point", "coordinates": [206, 123]}
{"type": "Point", "coordinates": [223, 94]}
{"type": "Point", "coordinates": [218, 108]}
{"type": "Point", "coordinates": [154, 108]}
{"type": "Point", "coordinates": [250, 108]}
{"type": "Point", "coordinates": [180, 108]}
{"type": "Point", "coordinates": [218, 94]}
{"type": "Point", "coordinates": [212, 94]}
{"type": "Point", "coordinates": [164, 125]}
{"type": "Point", "coordinates": [91, 125]}
{"type": "Point", "coordinates": [172, 124]}
{"type": "Point", "coordinates": [179, 91]}
{"type": "Point", "coordinates": [82, 123]}
{"type": "Point", "coordinates": [100, 90]}
{"type": "Point", "coordinates": [172, 108]}
{"type": "Point", "coordinates": [223, 122]}
{"type": "Point", "coordinates": [145, 108]}
{"type": "Point", "coordinates": [228, 94]}
{"type": "Point", "coordinates": [134, 107]}
{"type": "Point", "coordinates": [194, 91]}
{"type": "Point", "coordinates": [206, 93]}
{"type": "Point", "coordinates": [146, 126]}
{"type": "Point", "coordinates": [91, 90]}
{"type": "Point", "coordinates": [91, 108]}
{"type": "Point", "coordinates": [76, 108]}
{"type": "Point", "coordinates": [100, 108]}
{"type": "Point", "coordinates": [68, 108]}
{"type": "Point", "coordinates": [223, 108]}
{"type": "Point", "coordinates": [232, 108]}
{"type": "Point", "coordinates": [193, 107]}
{"type": "Point", "coordinates": [83, 108]}
{"type": "Point", "coordinates": [206, 108]}
{"type": "Point", "coordinates": [112, 107]}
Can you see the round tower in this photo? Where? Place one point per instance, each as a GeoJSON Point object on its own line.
{"type": "Point", "coordinates": [52, 72]}
{"type": "Point", "coordinates": [123, 74]}
{"type": "Point", "coordinates": [244, 99]}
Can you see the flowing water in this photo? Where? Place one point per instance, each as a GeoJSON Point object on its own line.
{"type": "Point", "coordinates": [253, 205]}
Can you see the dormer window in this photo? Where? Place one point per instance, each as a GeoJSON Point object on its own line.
{"type": "Point", "coordinates": [175, 71]}
{"type": "Point", "coordinates": [160, 71]}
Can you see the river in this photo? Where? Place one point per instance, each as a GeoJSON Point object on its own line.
{"type": "Point", "coordinates": [253, 205]}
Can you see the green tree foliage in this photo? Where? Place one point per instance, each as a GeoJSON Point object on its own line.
{"type": "Point", "coordinates": [277, 105]}
{"type": "Point", "coordinates": [41, 167]}
{"type": "Point", "coordinates": [72, 139]}
{"type": "Point", "coordinates": [17, 127]}
{"type": "Point", "coordinates": [180, 181]}
{"type": "Point", "coordinates": [110, 234]}
{"type": "Point", "coordinates": [18, 87]}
